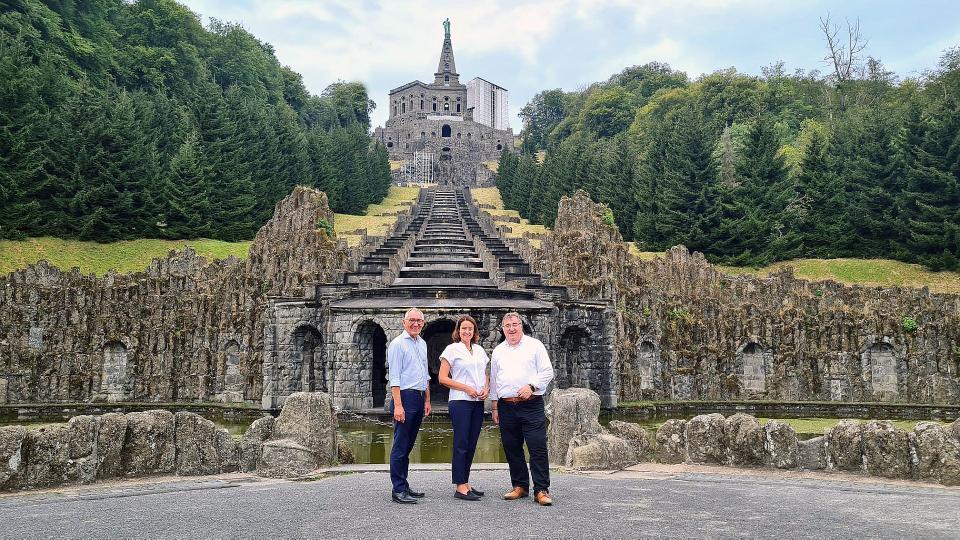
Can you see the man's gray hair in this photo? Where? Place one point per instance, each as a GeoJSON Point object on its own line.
{"type": "Point", "coordinates": [511, 315]}
{"type": "Point", "coordinates": [411, 310]}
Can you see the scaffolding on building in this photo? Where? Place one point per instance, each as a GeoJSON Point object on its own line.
{"type": "Point", "coordinates": [420, 170]}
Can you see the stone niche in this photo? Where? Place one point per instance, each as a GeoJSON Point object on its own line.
{"type": "Point", "coordinates": [114, 378]}
{"type": "Point", "coordinates": [752, 364]}
{"type": "Point", "coordinates": [230, 383]}
{"type": "Point", "coordinates": [881, 365]}
{"type": "Point", "coordinates": [641, 375]}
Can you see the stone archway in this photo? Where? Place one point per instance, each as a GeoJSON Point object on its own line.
{"type": "Point", "coordinates": [573, 351]}
{"type": "Point", "coordinates": [437, 334]}
{"type": "Point", "coordinates": [307, 368]}
{"type": "Point", "coordinates": [371, 343]}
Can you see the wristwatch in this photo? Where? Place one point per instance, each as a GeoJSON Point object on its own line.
{"type": "Point", "coordinates": [532, 388]}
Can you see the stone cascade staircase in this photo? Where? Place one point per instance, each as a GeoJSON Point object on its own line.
{"type": "Point", "coordinates": [444, 254]}
{"type": "Point", "coordinates": [375, 265]}
{"type": "Point", "coordinates": [511, 265]}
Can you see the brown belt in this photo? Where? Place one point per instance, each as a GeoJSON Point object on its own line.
{"type": "Point", "coordinates": [513, 400]}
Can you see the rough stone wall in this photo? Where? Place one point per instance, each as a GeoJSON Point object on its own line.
{"type": "Point", "coordinates": [185, 329]}
{"type": "Point", "coordinates": [687, 331]}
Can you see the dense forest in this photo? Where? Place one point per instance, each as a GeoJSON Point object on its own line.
{"type": "Point", "coordinates": [131, 120]}
{"type": "Point", "coordinates": [750, 170]}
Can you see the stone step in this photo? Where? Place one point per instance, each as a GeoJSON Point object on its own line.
{"type": "Point", "coordinates": [444, 271]}
{"type": "Point", "coordinates": [443, 242]}
{"type": "Point", "coordinates": [439, 282]}
{"type": "Point", "coordinates": [471, 262]}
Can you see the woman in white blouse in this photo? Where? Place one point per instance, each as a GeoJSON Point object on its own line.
{"type": "Point", "coordinates": [463, 369]}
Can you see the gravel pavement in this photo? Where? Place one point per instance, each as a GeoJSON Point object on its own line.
{"type": "Point", "coordinates": [659, 501]}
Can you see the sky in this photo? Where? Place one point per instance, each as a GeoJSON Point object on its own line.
{"type": "Point", "coordinates": [529, 46]}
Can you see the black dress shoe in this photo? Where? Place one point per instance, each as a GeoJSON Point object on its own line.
{"type": "Point", "coordinates": [476, 492]}
{"type": "Point", "coordinates": [403, 498]}
{"type": "Point", "coordinates": [468, 496]}
{"type": "Point", "coordinates": [415, 494]}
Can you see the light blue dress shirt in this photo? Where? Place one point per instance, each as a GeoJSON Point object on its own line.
{"type": "Point", "coordinates": [407, 362]}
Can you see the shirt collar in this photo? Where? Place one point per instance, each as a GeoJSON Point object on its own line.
{"type": "Point", "coordinates": [411, 337]}
{"type": "Point", "coordinates": [519, 343]}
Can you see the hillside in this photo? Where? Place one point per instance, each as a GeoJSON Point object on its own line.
{"type": "Point", "coordinates": [125, 120]}
{"type": "Point", "coordinates": [751, 170]}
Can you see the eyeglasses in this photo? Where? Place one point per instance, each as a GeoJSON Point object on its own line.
{"type": "Point", "coordinates": [512, 325]}
{"type": "Point", "coordinates": [415, 321]}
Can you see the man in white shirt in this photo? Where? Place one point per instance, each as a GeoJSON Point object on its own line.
{"type": "Point", "coordinates": [520, 371]}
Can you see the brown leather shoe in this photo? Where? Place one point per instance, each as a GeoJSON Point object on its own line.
{"type": "Point", "coordinates": [517, 493]}
{"type": "Point", "coordinates": [543, 498]}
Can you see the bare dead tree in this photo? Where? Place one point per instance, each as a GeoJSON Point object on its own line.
{"type": "Point", "coordinates": [843, 56]}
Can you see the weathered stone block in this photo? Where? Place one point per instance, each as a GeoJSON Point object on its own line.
{"type": "Point", "coordinates": [886, 450]}
{"type": "Point", "coordinates": [636, 437]}
{"type": "Point", "coordinates": [745, 437]}
{"type": "Point", "coordinates": [954, 429]}
{"type": "Point", "coordinates": [707, 439]}
{"type": "Point", "coordinates": [573, 411]}
{"type": "Point", "coordinates": [228, 451]}
{"type": "Point", "coordinates": [812, 453]}
{"type": "Point", "coordinates": [12, 439]}
{"type": "Point", "coordinates": [599, 451]}
{"type": "Point", "coordinates": [285, 458]}
{"type": "Point", "coordinates": [48, 457]}
{"type": "Point", "coordinates": [844, 443]}
{"type": "Point", "coordinates": [344, 453]}
{"type": "Point", "coordinates": [672, 441]}
{"type": "Point", "coordinates": [196, 444]}
{"type": "Point", "coordinates": [83, 433]}
{"type": "Point", "coordinates": [111, 435]}
{"type": "Point", "coordinates": [936, 453]}
{"type": "Point", "coordinates": [780, 442]}
{"type": "Point", "coordinates": [309, 419]}
{"type": "Point", "coordinates": [150, 445]}
{"type": "Point", "coordinates": [259, 432]}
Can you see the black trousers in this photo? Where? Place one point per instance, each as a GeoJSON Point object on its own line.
{"type": "Point", "coordinates": [525, 423]}
{"type": "Point", "coordinates": [404, 437]}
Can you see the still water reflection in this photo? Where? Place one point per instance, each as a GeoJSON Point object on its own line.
{"type": "Point", "coordinates": [371, 443]}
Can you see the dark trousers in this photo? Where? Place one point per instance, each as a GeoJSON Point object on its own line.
{"type": "Point", "coordinates": [520, 423]}
{"type": "Point", "coordinates": [404, 437]}
{"type": "Point", "coordinates": [467, 418]}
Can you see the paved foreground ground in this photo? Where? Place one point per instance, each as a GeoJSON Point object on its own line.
{"type": "Point", "coordinates": [647, 500]}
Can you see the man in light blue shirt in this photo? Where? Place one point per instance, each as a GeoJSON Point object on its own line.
{"type": "Point", "coordinates": [410, 388]}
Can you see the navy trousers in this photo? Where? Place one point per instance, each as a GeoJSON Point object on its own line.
{"type": "Point", "coordinates": [467, 418]}
{"type": "Point", "coordinates": [404, 437]}
{"type": "Point", "coordinates": [520, 423]}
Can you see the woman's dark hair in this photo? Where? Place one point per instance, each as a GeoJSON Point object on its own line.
{"type": "Point", "coordinates": [456, 329]}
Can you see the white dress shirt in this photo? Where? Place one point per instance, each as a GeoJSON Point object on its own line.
{"type": "Point", "coordinates": [469, 368]}
{"type": "Point", "coordinates": [513, 367]}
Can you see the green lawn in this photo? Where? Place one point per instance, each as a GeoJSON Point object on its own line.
{"type": "Point", "coordinates": [378, 218]}
{"type": "Point", "coordinates": [91, 257]}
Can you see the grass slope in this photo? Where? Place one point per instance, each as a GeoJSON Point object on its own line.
{"type": "Point", "coordinates": [135, 255]}
{"type": "Point", "coordinates": [91, 257]}
{"type": "Point", "coordinates": [378, 218]}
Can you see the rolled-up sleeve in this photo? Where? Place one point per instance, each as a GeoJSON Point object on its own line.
{"type": "Point", "coordinates": [544, 368]}
{"type": "Point", "coordinates": [394, 362]}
